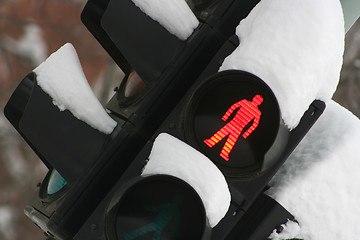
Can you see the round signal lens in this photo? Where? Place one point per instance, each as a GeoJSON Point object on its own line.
{"type": "Point", "coordinates": [56, 183]}
{"type": "Point", "coordinates": [157, 207]}
{"type": "Point", "coordinates": [233, 118]}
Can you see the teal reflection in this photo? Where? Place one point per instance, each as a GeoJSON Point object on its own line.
{"type": "Point", "coordinates": [56, 183]}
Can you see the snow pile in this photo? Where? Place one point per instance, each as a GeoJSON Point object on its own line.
{"type": "Point", "coordinates": [296, 47]}
{"type": "Point", "coordinates": [319, 183]}
{"type": "Point", "coordinates": [290, 230]}
{"type": "Point", "coordinates": [173, 157]}
{"type": "Point", "coordinates": [174, 15]}
{"type": "Point", "coordinates": [62, 77]}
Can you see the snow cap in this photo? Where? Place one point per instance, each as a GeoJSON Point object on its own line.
{"type": "Point", "coordinates": [290, 230]}
{"type": "Point", "coordinates": [174, 15]}
{"type": "Point", "coordinates": [63, 79]}
{"type": "Point", "coordinates": [296, 47]}
{"type": "Point", "coordinates": [173, 157]}
{"type": "Point", "coordinates": [319, 182]}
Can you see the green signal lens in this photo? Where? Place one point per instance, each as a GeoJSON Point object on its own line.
{"type": "Point", "coordinates": [56, 183]}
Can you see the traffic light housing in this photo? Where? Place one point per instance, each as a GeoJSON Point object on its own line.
{"type": "Point", "coordinates": [197, 116]}
{"type": "Point", "coordinates": [207, 121]}
{"type": "Point", "coordinates": [179, 87]}
{"type": "Point", "coordinates": [53, 134]}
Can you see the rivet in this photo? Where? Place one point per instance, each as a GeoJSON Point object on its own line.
{"type": "Point", "coordinates": [93, 227]}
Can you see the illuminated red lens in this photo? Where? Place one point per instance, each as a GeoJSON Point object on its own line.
{"type": "Point", "coordinates": [247, 111]}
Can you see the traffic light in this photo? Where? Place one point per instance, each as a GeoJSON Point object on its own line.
{"type": "Point", "coordinates": [232, 118]}
{"type": "Point", "coordinates": [85, 163]}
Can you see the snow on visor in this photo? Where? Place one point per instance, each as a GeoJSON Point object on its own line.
{"type": "Point", "coordinates": [296, 47]}
{"type": "Point", "coordinates": [63, 79]}
{"type": "Point", "coordinates": [174, 15]}
{"type": "Point", "coordinates": [173, 157]}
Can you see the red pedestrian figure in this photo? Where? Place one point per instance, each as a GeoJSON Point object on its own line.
{"type": "Point", "coordinates": [246, 113]}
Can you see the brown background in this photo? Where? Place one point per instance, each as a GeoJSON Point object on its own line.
{"type": "Point", "coordinates": [56, 22]}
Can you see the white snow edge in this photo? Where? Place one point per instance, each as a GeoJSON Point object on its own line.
{"type": "Point", "coordinates": [62, 78]}
{"type": "Point", "coordinates": [173, 157]}
{"type": "Point", "coordinates": [174, 15]}
{"type": "Point", "coordinates": [290, 230]}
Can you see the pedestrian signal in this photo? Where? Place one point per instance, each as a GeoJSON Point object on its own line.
{"type": "Point", "coordinates": [248, 112]}
{"type": "Point", "coordinates": [233, 118]}
{"type": "Point", "coordinates": [156, 207]}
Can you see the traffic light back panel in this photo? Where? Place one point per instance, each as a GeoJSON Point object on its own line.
{"type": "Point", "coordinates": [233, 118]}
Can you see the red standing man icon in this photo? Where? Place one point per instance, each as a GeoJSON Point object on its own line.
{"type": "Point", "coordinates": [247, 112]}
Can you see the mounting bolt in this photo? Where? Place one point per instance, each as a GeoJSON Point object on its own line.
{"type": "Point", "coordinates": [93, 227]}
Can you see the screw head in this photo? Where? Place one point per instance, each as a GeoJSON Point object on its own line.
{"type": "Point", "coordinates": [93, 227]}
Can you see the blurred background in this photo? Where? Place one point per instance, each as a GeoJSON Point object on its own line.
{"type": "Point", "coordinates": [30, 30]}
